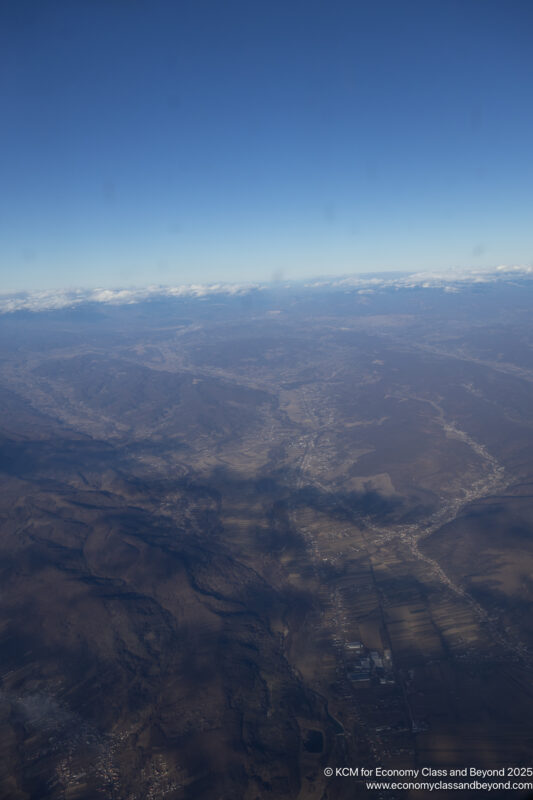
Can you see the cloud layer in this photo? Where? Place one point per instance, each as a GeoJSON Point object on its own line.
{"type": "Point", "coordinates": [451, 281]}
{"type": "Point", "coordinates": [70, 298]}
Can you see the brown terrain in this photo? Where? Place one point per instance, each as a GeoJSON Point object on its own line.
{"type": "Point", "coordinates": [245, 539]}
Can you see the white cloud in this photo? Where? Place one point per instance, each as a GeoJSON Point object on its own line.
{"type": "Point", "coordinates": [70, 298]}
{"type": "Point", "coordinates": [450, 281]}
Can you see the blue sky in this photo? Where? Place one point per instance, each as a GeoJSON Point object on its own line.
{"type": "Point", "coordinates": [175, 141]}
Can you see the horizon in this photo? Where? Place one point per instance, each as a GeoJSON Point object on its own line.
{"type": "Point", "coordinates": [363, 283]}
